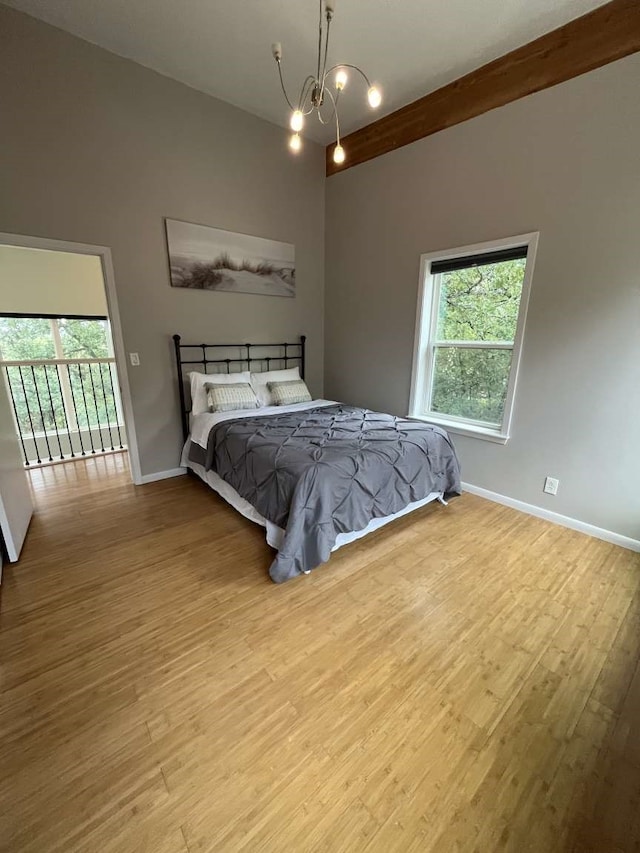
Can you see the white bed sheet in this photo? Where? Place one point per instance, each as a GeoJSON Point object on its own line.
{"type": "Point", "coordinates": [275, 534]}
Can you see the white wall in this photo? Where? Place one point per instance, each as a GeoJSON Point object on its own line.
{"type": "Point", "coordinates": [98, 150]}
{"type": "Point", "coordinates": [36, 281]}
{"type": "Point", "coordinates": [565, 162]}
{"type": "Point", "coordinates": [16, 505]}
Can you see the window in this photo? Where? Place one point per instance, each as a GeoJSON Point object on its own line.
{"type": "Point", "coordinates": [59, 373]}
{"type": "Point", "coordinates": [471, 312]}
{"type": "Point", "coordinates": [60, 337]}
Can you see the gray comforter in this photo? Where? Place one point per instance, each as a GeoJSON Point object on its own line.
{"type": "Point", "coordinates": [324, 471]}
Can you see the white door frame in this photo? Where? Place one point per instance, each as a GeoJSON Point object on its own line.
{"type": "Point", "coordinates": [104, 253]}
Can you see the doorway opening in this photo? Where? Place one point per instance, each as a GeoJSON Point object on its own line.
{"type": "Point", "coordinates": [61, 354]}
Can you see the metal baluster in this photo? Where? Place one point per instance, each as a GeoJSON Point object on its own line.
{"type": "Point", "coordinates": [64, 408]}
{"type": "Point", "coordinates": [204, 357]}
{"type": "Point", "coordinates": [286, 358]}
{"type": "Point", "coordinates": [75, 409]}
{"type": "Point", "coordinates": [228, 365]}
{"type": "Point", "coordinates": [86, 409]}
{"type": "Point", "coordinates": [53, 413]}
{"type": "Point", "coordinates": [44, 426]}
{"type": "Point", "coordinates": [15, 412]}
{"type": "Point", "coordinates": [106, 405]}
{"type": "Point", "coordinates": [113, 393]}
{"type": "Point", "coordinates": [248, 346]}
{"type": "Point", "coordinates": [95, 405]}
{"type": "Point", "coordinates": [26, 402]}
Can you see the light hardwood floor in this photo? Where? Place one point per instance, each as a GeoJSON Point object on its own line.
{"type": "Point", "coordinates": [465, 680]}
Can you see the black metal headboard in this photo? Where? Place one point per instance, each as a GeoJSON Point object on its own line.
{"type": "Point", "coordinates": [244, 354]}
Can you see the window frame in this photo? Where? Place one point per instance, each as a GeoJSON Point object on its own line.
{"type": "Point", "coordinates": [425, 340]}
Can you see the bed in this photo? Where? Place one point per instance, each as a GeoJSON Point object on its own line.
{"type": "Point", "coordinates": [316, 474]}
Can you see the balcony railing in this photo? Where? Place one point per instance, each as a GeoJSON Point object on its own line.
{"type": "Point", "coordinates": [65, 408]}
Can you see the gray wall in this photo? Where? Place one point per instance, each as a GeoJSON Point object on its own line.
{"type": "Point", "coordinates": [96, 149]}
{"type": "Point", "coordinates": [565, 162]}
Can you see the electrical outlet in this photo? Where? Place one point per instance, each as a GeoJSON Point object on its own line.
{"type": "Point", "coordinates": [551, 486]}
{"type": "Point", "coordinates": [135, 359]}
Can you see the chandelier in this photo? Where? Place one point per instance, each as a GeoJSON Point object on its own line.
{"type": "Point", "coordinates": [316, 92]}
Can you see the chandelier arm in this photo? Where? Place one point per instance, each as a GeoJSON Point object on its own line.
{"type": "Point", "coordinates": [304, 92]}
{"type": "Point", "coordinates": [284, 91]}
{"type": "Point", "coordinates": [325, 121]}
{"type": "Point", "coordinates": [347, 65]}
{"type": "Point", "coordinates": [319, 41]}
{"type": "Point", "coordinates": [334, 111]}
{"type": "Point", "coordinates": [334, 100]}
{"type": "Point", "coordinates": [323, 77]}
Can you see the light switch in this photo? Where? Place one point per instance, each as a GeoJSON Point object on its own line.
{"type": "Point", "coordinates": [135, 359]}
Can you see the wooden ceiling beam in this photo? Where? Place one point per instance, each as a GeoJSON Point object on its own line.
{"type": "Point", "coordinates": [607, 33]}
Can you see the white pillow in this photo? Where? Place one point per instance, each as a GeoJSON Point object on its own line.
{"type": "Point", "coordinates": [199, 401]}
{"type": "Point", "coordinates": [260, 380]}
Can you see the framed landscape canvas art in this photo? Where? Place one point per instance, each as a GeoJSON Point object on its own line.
{"type": "Point", "coordinates": [203, 258]}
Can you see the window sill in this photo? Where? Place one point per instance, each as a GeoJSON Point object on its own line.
{"type": "Point", "coordinates": [471, 431]}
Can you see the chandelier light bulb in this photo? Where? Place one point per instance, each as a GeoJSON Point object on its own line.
{"type": "Point", "coordinates": [297, 121]}
{"type": "Point", "coordinates": [338, 154]}
{"type": "Point", "coordinates": [295, 143]}
{"type": "Point", "coordinates": [374, 96]}
{"type": "Point", "coordinates": [341, 79]}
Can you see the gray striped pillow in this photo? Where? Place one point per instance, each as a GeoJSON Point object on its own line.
{"type": "Point", "coordinates": [229, 397]}
{"type": "Point", "coordinates": [284, 393]}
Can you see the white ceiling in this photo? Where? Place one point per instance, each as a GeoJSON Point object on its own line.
{"type": "Point", "coordinates": [223, 47]}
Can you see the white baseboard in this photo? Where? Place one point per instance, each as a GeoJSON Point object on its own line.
{"type": "Point", "coordinates": [162, 475]}
{"type": "Point", "coordinates": [555, 517]}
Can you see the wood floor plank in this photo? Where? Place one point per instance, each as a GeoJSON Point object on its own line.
{"type": "Point", "coordinates": [467, 679]}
